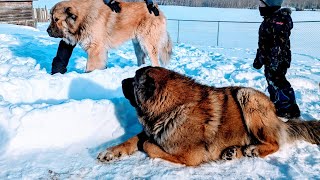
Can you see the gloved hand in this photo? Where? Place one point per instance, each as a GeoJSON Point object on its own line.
{"type": "Point", "coordinates": [114, 5]}
{"type": "Point", "coordinates": [257, 63]}
{"type": "Point", "coordinates": [152, 8]}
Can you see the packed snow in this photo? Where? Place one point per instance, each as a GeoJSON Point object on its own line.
{"type": "Point", "coordinates": [54, 126]}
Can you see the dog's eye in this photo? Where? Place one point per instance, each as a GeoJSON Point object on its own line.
{"type": "Point", "coordinates": [73, 17]}
{"type": "Point", "coordinates": [55, 19]}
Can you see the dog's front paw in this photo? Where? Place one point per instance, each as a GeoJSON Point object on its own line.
{"type": "Point", "coordinates": [250, 151]}
{"type": "Point", "coordinates": [109, 155]}
{"type": "Point", "coordinates": [230, 153]}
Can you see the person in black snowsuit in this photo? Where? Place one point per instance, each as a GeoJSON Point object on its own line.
{"type": "Point", "coordinates": [274, 53]}
{"type": "Point", "coordinates": [61, 60]}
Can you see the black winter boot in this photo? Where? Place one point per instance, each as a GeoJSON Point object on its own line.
{"type": "Point", "coordinates": [292, 112]}
{"type": "Point", "coordinates": [285, 102]}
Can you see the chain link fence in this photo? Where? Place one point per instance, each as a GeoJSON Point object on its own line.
{"type": "Point", "coordinates": [305, 36]}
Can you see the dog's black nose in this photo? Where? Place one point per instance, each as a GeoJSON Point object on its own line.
{"type": "Point", "coordinates": [49, 31]}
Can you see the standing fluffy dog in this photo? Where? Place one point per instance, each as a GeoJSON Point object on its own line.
{"type": "Point", "coordinates": [189, 123]}
{"type": "Point", "coordinates": [96, 28]}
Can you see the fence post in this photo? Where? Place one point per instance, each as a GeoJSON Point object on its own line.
{"type": "Point", "coordinates": [46, 13]}
{"type": "Point", "coordinates": [218, 33]}
{"type": "Point", "coordinates": [178, 37]}
{"type": "Point", "coordinates": [41, 14]}
{"type": "Point", "coordinates": [38, 15]}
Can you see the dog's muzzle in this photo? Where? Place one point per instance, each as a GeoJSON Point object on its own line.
{"type": "Point", "coordinates": [49, 31]}
{"type": "Point", "coordinates": [52, 33]}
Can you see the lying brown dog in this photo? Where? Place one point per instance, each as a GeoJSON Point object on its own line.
{"type": "Point", "coordinates": [189, 123]}
{"type": "Point", "coordinates": [97, 29]}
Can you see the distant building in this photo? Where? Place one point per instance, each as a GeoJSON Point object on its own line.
{"type": "Point", "coordinates": [18, 12]}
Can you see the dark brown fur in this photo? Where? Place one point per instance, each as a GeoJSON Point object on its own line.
{"type": "Point", "coordinates": [189, 123]}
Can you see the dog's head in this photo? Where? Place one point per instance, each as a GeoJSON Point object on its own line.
{"type": "Point", "coordinates": [140, 88]}
{"type": "Point", "coordinates": [156, 90]}
{"type": "Point", "coordinates": [65, 20]}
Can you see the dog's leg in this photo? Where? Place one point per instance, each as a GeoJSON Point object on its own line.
{"type": "Point", "coordinates": [129, 147]}
{"type": "Point", "coordinates": [153, 53]}
{"type": "Point", "coordinates": [191, 158]}
{"type": "Point", "coordinates": [97, 57]}
{"type": "Point", "coordinates": [150, 45]}
{"type": "Point", "coordinates": [154, 151]}
{"type": "Point", "coordinates": [139, 52]}
{"type": "Point", "coordinates": [261, 121]}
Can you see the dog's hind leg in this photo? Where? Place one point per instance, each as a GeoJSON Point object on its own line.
{"type": "Point", "coordinates": [261, 121]}
{"type": "Point", "coordinates": [150, 45]}
{"type": "Point", "coordinates": [189, 158]}
{"type": "Point", "coordinates": [153, 53]}
{"type": "Point", "coordinates": [140, 54]}
{"type": "Point", "coordinates": [154, 151]}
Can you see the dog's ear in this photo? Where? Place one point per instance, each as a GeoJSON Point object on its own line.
{"type": "Point", "coordinates": [149, 86]}
{"type": "Point", "coordinates": [128, 91]}
{"type": "Point", "coordinates": [71, 13]}
{"type": "Point", "coordinates": [146, 81]}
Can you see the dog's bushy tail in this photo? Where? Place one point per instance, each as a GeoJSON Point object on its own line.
{"type": "Point", "coordinates": [166, 51]}
{"type": "Point", "coordinates": [304, 130]}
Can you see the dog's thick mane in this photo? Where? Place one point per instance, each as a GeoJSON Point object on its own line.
{"type": "Point", "coordinates": [163, 126]}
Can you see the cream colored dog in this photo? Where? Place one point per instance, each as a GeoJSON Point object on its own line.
{"type": "Point", "coordinates": [97, 29]}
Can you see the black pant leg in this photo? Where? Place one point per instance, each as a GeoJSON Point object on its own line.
{"type": "Point", "coordinates": [281, 93]}
{"type": "Point", "coordinates": [60, 62]}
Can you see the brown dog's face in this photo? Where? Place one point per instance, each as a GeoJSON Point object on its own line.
{"type": "Point", "coordinates": [140, 88]}
{"type": "Point", "coordinates": [63, 20]}
{"type": "Point", "coordinates": [154, 90]}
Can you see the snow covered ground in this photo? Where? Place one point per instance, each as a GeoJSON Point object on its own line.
{"type": "Point", "coordinates": [53, 127]}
